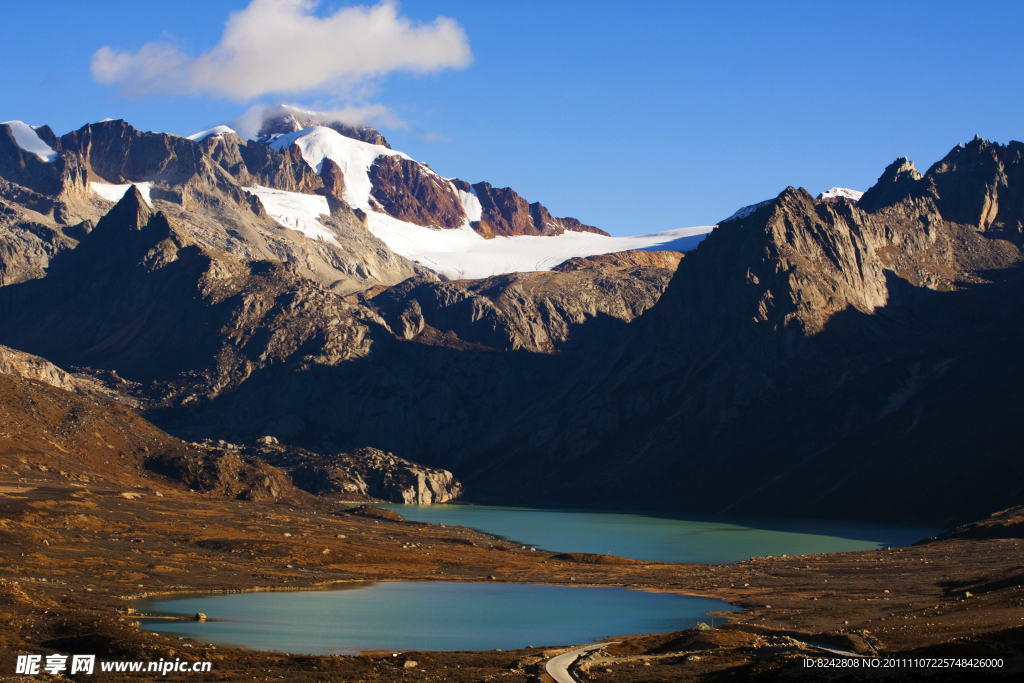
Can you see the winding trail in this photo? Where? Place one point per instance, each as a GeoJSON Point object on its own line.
{"type": "Point", "coordinates": [558, 667]}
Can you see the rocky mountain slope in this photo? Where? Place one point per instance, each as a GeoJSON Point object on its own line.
{"type": "Point", "coordinates": [812, 358]}
{"type": "Point", "coordinates": [332, 199]}
{"type": "Point", "coordinates": [222, 347]}
{"type": "Point", "coordinates": [576, 307]}
{"type": "Point", "coordinates": [53, 426]}
{"type": "Point", "coordinates": [46, 207]}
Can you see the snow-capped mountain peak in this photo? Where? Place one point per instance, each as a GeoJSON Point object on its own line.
{"type": "Point", "coordinates": [354, 157]}
{"type": "Point", "coordinates": [212, 132]}
{"type": "Point", "coordinates": [838, 193]}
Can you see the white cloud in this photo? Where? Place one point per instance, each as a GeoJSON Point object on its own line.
{"type": "Point", "coordinates": [281, 47]}
{"type": "Point", "coordinates": [248, 124]}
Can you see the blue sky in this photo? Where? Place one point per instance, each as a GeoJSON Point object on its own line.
{"type": "Point", "coordinates": [635, 117]}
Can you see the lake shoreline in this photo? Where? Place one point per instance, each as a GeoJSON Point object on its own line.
{"type": "Point", "coordinates": [75, 557]}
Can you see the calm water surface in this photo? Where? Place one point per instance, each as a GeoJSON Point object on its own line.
{"type": "Point", "coordinates": [426, 616]}
{"type": "Point", "coordinates": [717, 540]}
{"type": "Point", "coordinates": [467, 616]}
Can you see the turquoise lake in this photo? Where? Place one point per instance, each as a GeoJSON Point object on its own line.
{"type": "Point", "coordinates": [707, 540]}
{"type": "Point", "coordinates": [475, 616]}
{"type": "Point", "coordinates": [401, 616]}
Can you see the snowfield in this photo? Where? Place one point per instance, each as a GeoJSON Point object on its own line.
{"type": "Point", "coordinates": [455, 254]}
{"type": "Point", "coordinates": [27, 139]}
{"type": "Point", "coordinates": [462, 253]}
{"type": "Point", "coordinates": [296, 211]}
{"type": "Point", "coordinates": [216, 131]}
{"type": "Point", "coordinates": [113, 193]}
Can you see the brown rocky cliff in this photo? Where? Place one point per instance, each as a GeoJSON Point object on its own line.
{"type": "Point", "coordinates": [412, 192]}
{"type": "Point", "coordinates": [332, 177]}
{"type": "Point", "coordinates": [979, 184]}
{"type": "Point", "coordinates": [505, 213]}
{"type": "Point", "coordinates": [115, 152]}
{"type": "Point", "coordinates": [895, 183]}
{"type": "Point", "coordinates": [27, 366]}
{"type": "Point", "coordinates": [549, 225]}
{"type": "Point", "coordinates": [285, 170]}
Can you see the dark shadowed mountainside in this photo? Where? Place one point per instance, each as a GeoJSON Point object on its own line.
{"type": "Point", "coordinates": [810, 359]}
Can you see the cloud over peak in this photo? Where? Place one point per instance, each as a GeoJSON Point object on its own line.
{"type": "Point", "coordinates": [282, 47]}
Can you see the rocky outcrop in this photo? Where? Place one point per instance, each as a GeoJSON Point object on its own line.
{"type": "Point", "coordinates": [620, 260]}
{"type": "Point", "coordinates": [549, 225]}
{"type": "Point", "coordinates": [505, 213]}
{"type": "Point", "coordinates": [114, 152]}
{"type": "Point", "coordinates": [49, 428]}
{"type": "Point", "coordinates": [543, 312]}
{"type": "Point", "coordinates": [285, 170]}
{"type": "Point", "coordinates": [29, 236]}
{"type": "Point", "coordinates": [63, 181]}
{"type": "Point", "coordinates": [362, 473]}
{"type": "Point", "coordinates": [979, 184]}
{"type": "Point", "coordinates": [332, 178]}
{"type": "Point", "coordinates": [27, 366]}
{"type": "Point", "coordinates": [58, 434]}
{"type": "Point", "coordinates": [895, 184]}
{"type": "Point", "coordinates": [412, 192]}
{"type": "Point", "coordinates": [222, 472]}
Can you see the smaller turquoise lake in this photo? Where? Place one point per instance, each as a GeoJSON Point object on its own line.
{"type": "Point", "coordinates": [402, 616]}
{"type": "Point", "coordinates": [656, 538]}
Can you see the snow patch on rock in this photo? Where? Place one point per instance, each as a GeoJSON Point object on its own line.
{"type": "Point", "coordinates": [470, 203]}
{"type": "Point", "coordinates": [29, 141]}
{"type": "Point", "coordinates": [216, 131]}
{"type": "Point", "coordinates": [746, 211]}
{"type": "Point", "coordinates": [113, 193]}
{"type": "Point", "coordinates": [296, 211]}
{"type": "Point", "coordinates": [841, 193]}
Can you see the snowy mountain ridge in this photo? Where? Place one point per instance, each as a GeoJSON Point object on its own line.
{"type": "Point", "coordinates": [460, 253]}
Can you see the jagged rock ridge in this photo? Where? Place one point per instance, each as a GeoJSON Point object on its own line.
{"type": "Point", "coordinates": [812, 358]}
